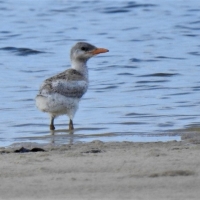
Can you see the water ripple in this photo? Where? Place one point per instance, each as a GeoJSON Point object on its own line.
{"type": "Point", "coordinates": [127, 8]}
{"type": "Point", "coordinates": [165, 57]}
{"type": "Point", "coordinates": [195, 53]}
{"type": "Point", "coordinates": [21, 51]}
{"type": "Point", "coordinates": [142, 60]}
{"type": "Point", "coordinates": [160, 75]}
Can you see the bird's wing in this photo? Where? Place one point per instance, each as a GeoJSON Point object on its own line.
{"type": "Point", "coordinates": [69, 83]}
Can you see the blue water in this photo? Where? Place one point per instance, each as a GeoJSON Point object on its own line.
{"type": "Point", "coordinates": [145, 89]}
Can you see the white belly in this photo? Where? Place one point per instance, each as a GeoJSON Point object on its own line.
{"type": "Point", "coordinates": [57, 104]}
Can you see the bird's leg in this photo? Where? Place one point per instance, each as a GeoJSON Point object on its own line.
{"type": "Point", "coordinates": [71, 126]}
{"type": "Point", "coordinates": [52, 127]}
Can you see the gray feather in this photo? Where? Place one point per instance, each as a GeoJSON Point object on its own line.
{"type": "Point", "coordinates": [69, 83]}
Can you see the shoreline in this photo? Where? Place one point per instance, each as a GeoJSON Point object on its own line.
{"type": "Point", "coordinates": [98, 170]}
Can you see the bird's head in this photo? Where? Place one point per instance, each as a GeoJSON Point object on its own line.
{"type": "Point", "coordinates": [83, 51]}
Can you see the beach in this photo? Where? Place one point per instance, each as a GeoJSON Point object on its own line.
{"type": "Point", "coordinates": [98, 170]}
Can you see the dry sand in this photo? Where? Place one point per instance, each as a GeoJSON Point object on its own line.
{"type": "Point", "coordinates": [101, 171]}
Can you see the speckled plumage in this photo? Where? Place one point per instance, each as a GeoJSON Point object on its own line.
{"type": "Point", "coordinates": [60, 94]}
{"type": "Point", "coordinates": [69, 83]}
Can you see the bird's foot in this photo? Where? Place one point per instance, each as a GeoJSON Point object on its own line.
{"type": "Point", "coordinates": [71, 126]}
{"type": "Point", "coordinates": [52, 127]}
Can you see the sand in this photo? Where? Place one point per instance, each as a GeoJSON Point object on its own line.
{"type": "Point", "coordinates": [97, 170]}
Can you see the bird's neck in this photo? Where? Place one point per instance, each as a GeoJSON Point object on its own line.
{"type": "Point", "coordinates": [80, 67]}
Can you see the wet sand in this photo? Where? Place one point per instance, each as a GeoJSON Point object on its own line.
{"type": "Point", "coordinates": [100, 170]}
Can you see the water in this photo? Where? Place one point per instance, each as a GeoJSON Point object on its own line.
{"type": "Point", "coordinates": [145, 89]}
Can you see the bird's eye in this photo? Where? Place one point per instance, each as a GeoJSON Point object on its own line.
{"type": "Point", "coordinates": [83, 49]}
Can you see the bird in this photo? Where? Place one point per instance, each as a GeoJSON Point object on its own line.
{"type": "Point", "coordinates": [61, 94]}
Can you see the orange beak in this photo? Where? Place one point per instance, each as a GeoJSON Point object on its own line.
{"type": "Point", "coordinates": [99, 50]}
